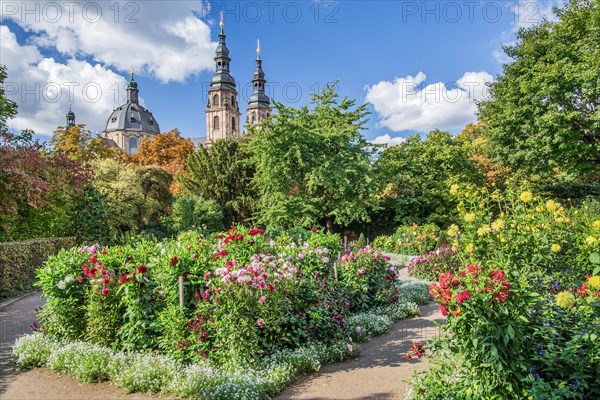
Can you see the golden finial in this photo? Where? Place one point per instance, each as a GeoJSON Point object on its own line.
{"type": "Point", "coordinates": [258, 47]}
{"type": "Point", "coordinates": [222, 23]}
{"type": "Point", "coordinates": [131, 72]}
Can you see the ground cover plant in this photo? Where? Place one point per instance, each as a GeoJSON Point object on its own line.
{"type": "Point", "coordinates": [257, 310]}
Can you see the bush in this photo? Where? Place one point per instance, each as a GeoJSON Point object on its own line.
{"type": "Point", "coordinates": [194, 213]}
{"type": "Point", "coordinates": [19, 261]}
{"type": "Point", "coordinates": [410, 239]}
{"type": "Point", "coordinates": [431, 265]}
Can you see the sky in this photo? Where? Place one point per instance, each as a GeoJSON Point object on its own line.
{"type": "Point", "coordinates": [418, 65]}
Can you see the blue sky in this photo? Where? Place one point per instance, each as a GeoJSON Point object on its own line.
{"type": "Point", "coordinates": [419, 65]}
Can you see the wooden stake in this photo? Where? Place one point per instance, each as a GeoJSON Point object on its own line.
{"type": "Point", "coordinates": [181, 291]}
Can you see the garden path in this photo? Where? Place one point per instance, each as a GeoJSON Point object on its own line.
{"type": "Point", "coordinates": [379, 373]}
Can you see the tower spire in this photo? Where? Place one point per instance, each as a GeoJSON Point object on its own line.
{"type": "Point", "coordinates": [70, 118]}
{"type": "Point", "coordinates": [259, 104]}
{"type": "Point", "coordinates": [132, 88]}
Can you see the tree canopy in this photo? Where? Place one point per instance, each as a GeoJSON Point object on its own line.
{"type": "Point", "coordinates": [543, 117]}
{"type": "Point", "coordinates": [222, 172]}
{"type": "Point", "coordinates": [312, 165]}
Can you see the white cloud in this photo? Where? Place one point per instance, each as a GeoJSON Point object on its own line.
{"type": "Point", "coordinates": [388, 140]}
{"type": "Point", "coordinates": [165, 39]}
{"type": "Point", "coordinates": [409, 103]}
{"type": "Point", "coordinates": [43, 88]}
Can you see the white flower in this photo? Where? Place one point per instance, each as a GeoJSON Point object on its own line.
{"type": "Point", "coordinates": [61, 285]}
{"type": "Point", "coordinates": [69, 278]}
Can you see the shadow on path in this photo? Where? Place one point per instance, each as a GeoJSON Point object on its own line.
{"type": "Point", "coordinates": [15, 320]}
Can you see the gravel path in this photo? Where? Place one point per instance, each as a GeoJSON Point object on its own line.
{"type": "Point", "coordinates": [380, 372]}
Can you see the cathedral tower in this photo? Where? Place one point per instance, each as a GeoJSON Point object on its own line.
{"type": "Point", "coordinates": [70, 119]}
{"type": "Point", "coordinates": [222, 111]}
{"type": "Point", "coordinates": [259, 105]}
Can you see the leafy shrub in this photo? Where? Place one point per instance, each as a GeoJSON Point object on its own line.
{"type": "Point", "coordinates": [431, 265]}
{"type": "Point", "coordinates": [19, 261]}
{"type": "Point", "coordinates": [365, 325]}
{"type": "Point", "coordinates": [194, 213]}
{"type": "Point", "coordinates": [32, 351]}
{"type": "Point", "coordinates": [410, 239]}
{"type": "Point", "coordinates": [487, 329]}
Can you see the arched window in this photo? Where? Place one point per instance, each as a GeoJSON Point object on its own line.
{"type": "Point", "coordinates": [253, 116]}
{"type": "Point", "coordinates": [233, 126]}
{"type": "Point", "coordinates": [216, 100]}
{"type": "Point", "coordinates": [216, 123]}
{"type": "Point", "coordinates": [133, 145]}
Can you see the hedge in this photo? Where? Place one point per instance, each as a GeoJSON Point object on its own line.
{"type": "Point", "coordinates": [19, 260]}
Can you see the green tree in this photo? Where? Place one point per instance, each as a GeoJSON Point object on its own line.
{"type": "Point", "coordinates": [194, 213]}
{"type": "Point", "coordinates": [8, 108]}
{"type": "Point", "coordinates": [414, 178]}
{"type": "Point", "coordinates": [313, 165]}
{"type": "Point", "coordinates": [91, 218]}
{"type": "Point", "coordinates": [543, 117]}
{"type": "Point", "coordinates": [222, 172]}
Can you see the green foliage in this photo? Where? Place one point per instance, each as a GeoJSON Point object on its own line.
{"type": "Point", "coordinates": [222, 173]}
{"type": "Point", "coordinates": [313, 165]}
{"type": "Point", "coordinates": [91, 217]}
{"type": "Point", "coordinates": [8, 108]}
{"type": "Point", "coordinates": [412, 178]}
{"type": "Point", "coordinates": [431, 265]}
{"type": "Point", "coordinates": [194, 213]}
{"type": "Point", "coordinates": [410, 240]}
{"type": "Point", "coordinates": [543, 113]}
{"type": "Point", "coordinates": [19, 261]}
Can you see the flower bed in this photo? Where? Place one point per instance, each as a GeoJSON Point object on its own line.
{"type": "Point", "coordinates": [410, 239]}
{"type": "Point", "coordinates": [247, 298]}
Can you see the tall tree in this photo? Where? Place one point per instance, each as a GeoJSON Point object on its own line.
{"type": "Point", "coordinates": [168, 150]}
{"type": "Point", "coordinates": [414, 178]}
{"type": "Point", "coordinates": [77, 143]}
{"type": "Point", "coordinates": [222, 172]}
{"type": "Point", "coordinates": [544, 112]}
{"type": "Point", "coordinates": [312, 165]}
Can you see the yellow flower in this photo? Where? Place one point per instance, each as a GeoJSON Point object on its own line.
{"type": "Point", "coordinates": [470, 217]}
{"type": "Point", "coordinates": [453, 189]}
{"type": "Point", "coordinates": [565, 299]}
{"type": "Point", "coordinates": [484, 230]}
{"type": "Point", "coordinates": [594, 282]}
{"type": "Point", "coordinates": [498, 224]}
{"type": "Point", "coordinates": [597, 224]}
{"type": "Point", "coordinates": [469, 248]}
{"type": "Point", "coordinates": [502, 240]}
{"type": "Point", "coordinates": [551, 205]}
{"type": "Point", "coordinates": [526, 197]}
{"type": "Point", "coordinates": [453, 230]}
{"type": "Point", "coordinates": [467, 194]}
{"type": "Point", "coordinates": [591, 240]}
{"type": "Point", "coordinates": [539, 209]}
{"type": "Point", "coordinates": [555, 248]}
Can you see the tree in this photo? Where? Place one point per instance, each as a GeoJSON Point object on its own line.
{"type": "Point", "coordinates": [78, 144]}
{"type": "Point", "coordinates": [194, 213]}
{"type": "Point", "coordinates": [8, 108]}
{"type": "Point", "coordinates": [167, 150]}
{"type": "Point", "coordinates": [38, 191]}
{"type": "Point", "coordinates": [543, 117]}
{"type": "Point", "coordinates": [223, 173]}
{"type": "Point", "coordinates": [313, 165]}
{"type": "Point", "coordinates": [414, 178]}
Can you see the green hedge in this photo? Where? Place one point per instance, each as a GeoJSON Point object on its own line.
{"type": "Point", "coordinates": [19, 260]}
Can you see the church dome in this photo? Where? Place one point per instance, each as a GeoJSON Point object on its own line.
{"type": "Point", "coordinates": [132, 117]}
